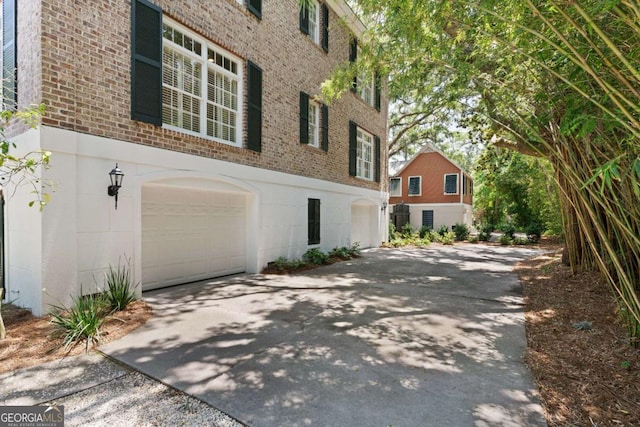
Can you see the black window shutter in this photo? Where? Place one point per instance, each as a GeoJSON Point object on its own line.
{"type": "Point", "coordinates": [325, 27]}
{"type": "Point", "coordinates": [255, 7]}
{"type": "Point", "coordinates": [9, 55]}
{"type": "Point", "coordinates": [451, 184]}
{"type": "Point", "coordinates": [353, 56]}
{"type": "Point", "coordinates": [325, 127]}
{"type": "Point", "coordinates": [304, 20]}
{"type": "Point", "coordinates": [353, 147]}
{"type": "Point", "coordinates": [146, 62]}
{"type": "Point", "coordinates": [313, 213]}
{"type": "Point", "coordinates": [376, 165]}
{"type": "Point", "coordinates": [254, 107]}
{"type": "Point", "coordinates": [304, 118]}
{"type": "Point", "coordinates": [427, 219]}
{"type": "Point", "coordinates": [378, 90]}
{"type": "Point", "coordinates": [414, 185]}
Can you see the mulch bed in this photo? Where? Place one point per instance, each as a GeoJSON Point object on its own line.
{"type": "Point", "coordinates": [33, 340]}
{"type": "Point", "coordinates": [588, 377]}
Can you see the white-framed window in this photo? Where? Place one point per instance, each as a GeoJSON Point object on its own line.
{"type": "Point", "coordinates": [364, 155]}
{"type": "Point", "coordinates": [415, 186]}
{"type": "Point", "coordinates": [314, 21]}
{"type": "Point", "coordinates": [395, 187]}
{"type": "Point", "coordinates": [366, 86]}
{"type": "Point", "coordinates": [451, 183]}
{"type": "Point", "coordinates": [314, 124]}
{"type": "Point", "coordinates": [201, 86]}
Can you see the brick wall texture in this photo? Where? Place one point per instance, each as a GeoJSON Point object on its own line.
{"type": "Point", "coordinates": [77, 57]}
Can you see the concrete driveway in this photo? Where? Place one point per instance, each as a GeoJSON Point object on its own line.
{"type": "Point", "coordinates": [400, 337]}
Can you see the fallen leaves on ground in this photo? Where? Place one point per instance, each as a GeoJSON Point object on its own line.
{"type": "Point", "coordinates": [586, 377]}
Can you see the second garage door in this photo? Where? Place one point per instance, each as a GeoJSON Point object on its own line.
{"type": "Point", "coordinates": [191, 234]}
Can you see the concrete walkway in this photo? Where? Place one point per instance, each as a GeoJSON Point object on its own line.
{"type": "Point", "coordinates": [406, 337]}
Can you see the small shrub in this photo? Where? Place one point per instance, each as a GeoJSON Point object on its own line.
{"type": "Point", "coordinates": [315, 256]}
{"type": "Point", "coordinates": [443, 230]}
{"type": "Point", "coordinates": [424, 231]}
{"type": "Point", "coordinates": [407, 230]}
{"type": "Point", "coordinates": [434, 236]}
{"type": "Point", "coordinates": [473, 239]}
{"type": "Point", "coordinates": [520, 241]}
{"type": "Point", "coordinates": [342, 253]}
{"type": "Point", "coordinates": [119, 287]}
{"type": "Point", "coordinates": [486, 228]}
{"type": "Point", "coordinates": [461, 231]}
{"type": "Point", "coordinates": [505, 239]}
{"type": "Point", "coordinates": [534, 231]}
{"type": "Point", "coordinates": [285, 264]}
{"type": "Point", "coordinates": [508, 229]}
{"type": "Point", "coordinates": [82, 321]}
{"type": "Point", "coordinates": [392, 232]}
{"type": "Point", "coordinates": [483, 237]}
{"type": "Point", "coordinates": [354, 250]}
{"type": "Point", "coordinates": [448, 238]}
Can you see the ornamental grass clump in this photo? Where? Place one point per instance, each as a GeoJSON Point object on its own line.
{"type": "Point", "coordinates": [82, 321]}
{"type": "Point", "coordinates": [119, 287]}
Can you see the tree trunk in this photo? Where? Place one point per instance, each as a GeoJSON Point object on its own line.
{"type": "Point", "coordinates": [3, 332]}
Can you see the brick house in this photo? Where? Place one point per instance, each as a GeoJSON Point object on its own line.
{"type": "Point", "coordinates": [437, 190]}
{"type": "Point", "coordinates": [210, 110]}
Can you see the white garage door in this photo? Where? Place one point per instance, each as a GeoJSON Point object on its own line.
{"type": "Point", "coordinates": [190, 234]}
{"type": "Point", "coordinates": [363, 225]}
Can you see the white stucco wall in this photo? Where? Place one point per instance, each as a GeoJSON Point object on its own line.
{"type": "Point", "coordinates": [80, 234]}
{"type": "Point", "coordinates": [443, 214]}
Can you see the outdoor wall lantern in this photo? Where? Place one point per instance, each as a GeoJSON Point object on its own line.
{"type": "Point", "coordinates": [116, 177]}
{"type": "Point", "coordinates": [384, 206]}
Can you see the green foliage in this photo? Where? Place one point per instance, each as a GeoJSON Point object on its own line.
{"type": "Point", "coordinates": [23, 169]}
{"type": "Point", "coordinates": [407, 230]}
{"type": "Point", "coordinates": [119, 287]}
{"type": "Point", "coordinates": [448, 238]}
{"type": "Point", "coordinates": [315, 256]}
{"type": "Point", "coordinates": [285, 264]}
{"type": "Point", "coordinates": [442, 230]}
{"type": "Point", "coordinates": [424, 231]}
{"type": "Point", "coordinates": [461, 231]}
{"type": "Point", "coordinates": [392, 231]}
{"type": "Point", "coordinates": [534, 231]}
{"type": "Point", "coordinates": [345, 253]}
{"type": "Point", "coordinates": [82, 321]}
{"type": "Point", "coordinates": [505, 239]}
{"type": "Point", "coordinates": [508, 228]}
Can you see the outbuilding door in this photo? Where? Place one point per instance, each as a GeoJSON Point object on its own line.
{"type": "Point", "coordinates": [191, 234]}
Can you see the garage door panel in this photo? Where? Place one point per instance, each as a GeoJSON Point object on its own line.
{"type": "Point", "coordinates": [190, 235]}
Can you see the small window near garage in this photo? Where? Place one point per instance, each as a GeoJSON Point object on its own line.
{"type": "Point", "coordinates": [427, 219]}
{"type": "Point", "coordinates": [451, 183]}
{"type": "Point", "coordinates": [314, 221]}
{"type": "Point", "coordinates": [395, 187]}
{"type": "Point", "coordinates": [415, 186]}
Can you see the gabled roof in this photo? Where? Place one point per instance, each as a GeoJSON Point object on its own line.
{"type": "Point", "coordinates": [396, 167]}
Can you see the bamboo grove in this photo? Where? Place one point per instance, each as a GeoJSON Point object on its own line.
{"type": "Point", "coordinates": [558, 79]}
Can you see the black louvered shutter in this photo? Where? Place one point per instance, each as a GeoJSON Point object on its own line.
{"type": "Point", "coordinates": [313, 213]}
{"type": "Point", "coordinates": [255, 7]}
{"type": "Point", "coordinates": [353, 56]}
{"type": "Point", "coordinates": [9, 55]}
{"type": "Point", "coordinates": [376, 165]}
{"type": "Point", "coordinates": [325, 127]}
{"type": "Point", "coordinates": [325, 27]}
{"type": "Point", "coordinates": [378, 90]}
{"type": "Point", "coordinates": [353, 148]}
{"type": "Point", "coordinates": [451, 184]}
{"type": "Point", "coordinates": [304, 20]}
{"type": "Point", "coordinates": [254, 107]}
{"type": "Point", "coordinates": [146, 62]}
{"type": "Point", "coordinates": [304, 118]}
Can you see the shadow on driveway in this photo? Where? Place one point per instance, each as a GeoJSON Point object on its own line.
{"type": "Point", "coordinates": [401, 337]}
